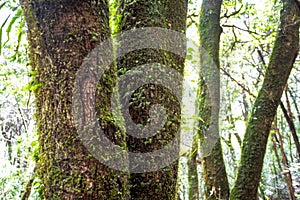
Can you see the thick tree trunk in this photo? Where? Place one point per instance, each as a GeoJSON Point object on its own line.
{"type": "Point", "coordinates": [214, 172]}
{"type": "Point", "coordinates": [169, 14]}
{"type": "Point", "coordinates": [282, 58]}
{"type": "Point", "coordinates": [61, 33]}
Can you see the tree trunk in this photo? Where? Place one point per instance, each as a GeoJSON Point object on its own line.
{"type": "Point", "coordinates": [289, 119]}
{"type": "Point", "coordinates": [214, 172]}
{"type": "Point", "coordinates": [281, 62]}
{"type": "Point", "coordinates": [168, 14]}
{"type": "Point", "coordinates": [193, 170]}
{"type": "Point", "coordinates": [286, 172]}
{"type": "Point", "coordinates": [61, 33]}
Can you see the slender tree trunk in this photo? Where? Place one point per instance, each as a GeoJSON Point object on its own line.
{"type": "Point", "coordinates": [290, 120]}
{"type": "Point", "coordinates": [254, 145]}
{"type": "Point", "coordinates": [286, 172]}
{"type": "Point", "coordinates": [168, 14]}
{"type": "Point", "coordinates": [214, 172]}
{"type": "Point", "coordinates": [193, 171]}
{"type": "Point", "coordinates": [295, 103]}
{"type": "Point", "coordinates": [61, 33]}
{"type": "Point", "coordinates": [275, 148]}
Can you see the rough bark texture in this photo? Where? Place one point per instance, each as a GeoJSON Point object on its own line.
{"type": "Point", "coordinates": [214, 172]}
{"type": "Point", "coordinates": [281, 62]}
{"type": "Point", "coordinates": [61, 33]}
{"type": "Point", "coordinates": [170, 14]}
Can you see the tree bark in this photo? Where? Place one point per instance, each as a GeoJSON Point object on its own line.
{"type": "Point", "coordinates": [214, 172]}
{"type": "Point", "coordinates": [281, 62]}
{"type": "Point", "coordinates": [61, 34]}
{"type": "Point", "coordinates": [168, 14]}
{"type": "Point", "coordinates": [193, 170]}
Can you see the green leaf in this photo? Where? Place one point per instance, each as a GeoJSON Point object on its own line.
{"type": "Point", "coordinates": [11, 23]}
{"type": "Point", "coordinates": [3, 4]}
{"type": "Point", "coordinates": [20, 33]}
{"type": "Point", "coordinates": [189, 57]}
{"type": "Point", "coordinates": [1, 28]}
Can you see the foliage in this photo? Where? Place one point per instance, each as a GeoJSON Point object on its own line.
{"type": "Point", "coordinates": [17, 138]}
{"type": "Point", "coordinates": [13, 24]}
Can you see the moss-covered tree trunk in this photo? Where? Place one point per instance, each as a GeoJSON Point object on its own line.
{"type": "Point", "coordinates": [214, 172]}
{"type": "Point", "coordinates": [284, 53]}
{"type": "Point", "coordinates": [168, 14]}
{"type": "Point", "coordinates": [61, 33]}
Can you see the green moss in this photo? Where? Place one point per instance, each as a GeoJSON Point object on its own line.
{"type": "Point", "coordinates": [282, 58]}
{"type": "Point", "coordinates": [60, 36]}
{"type": "Point", "coordinates": [215, 177]}
{"type": "Point", "coordinates": [166, 14]}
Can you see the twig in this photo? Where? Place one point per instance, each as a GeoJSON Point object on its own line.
{"type": "Point", "coordinates": [242, 29]}
{"type": "Point", "coordinates": [232, 14]}
{"type": "Point", "coordinates": [239, 84]}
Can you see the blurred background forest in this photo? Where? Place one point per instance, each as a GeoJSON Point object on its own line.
{"type": "Point", "coordinates": [248, 33]}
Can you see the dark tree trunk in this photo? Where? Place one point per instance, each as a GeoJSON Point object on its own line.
{"type": "Point", "coordinates": [214, 172]}
{"type": "Point", "coordinates": [284, 53]}
{"type": "Point", "coordinates": [168, 14]}
{"type": "Point", "coordinates": [61, 33]}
